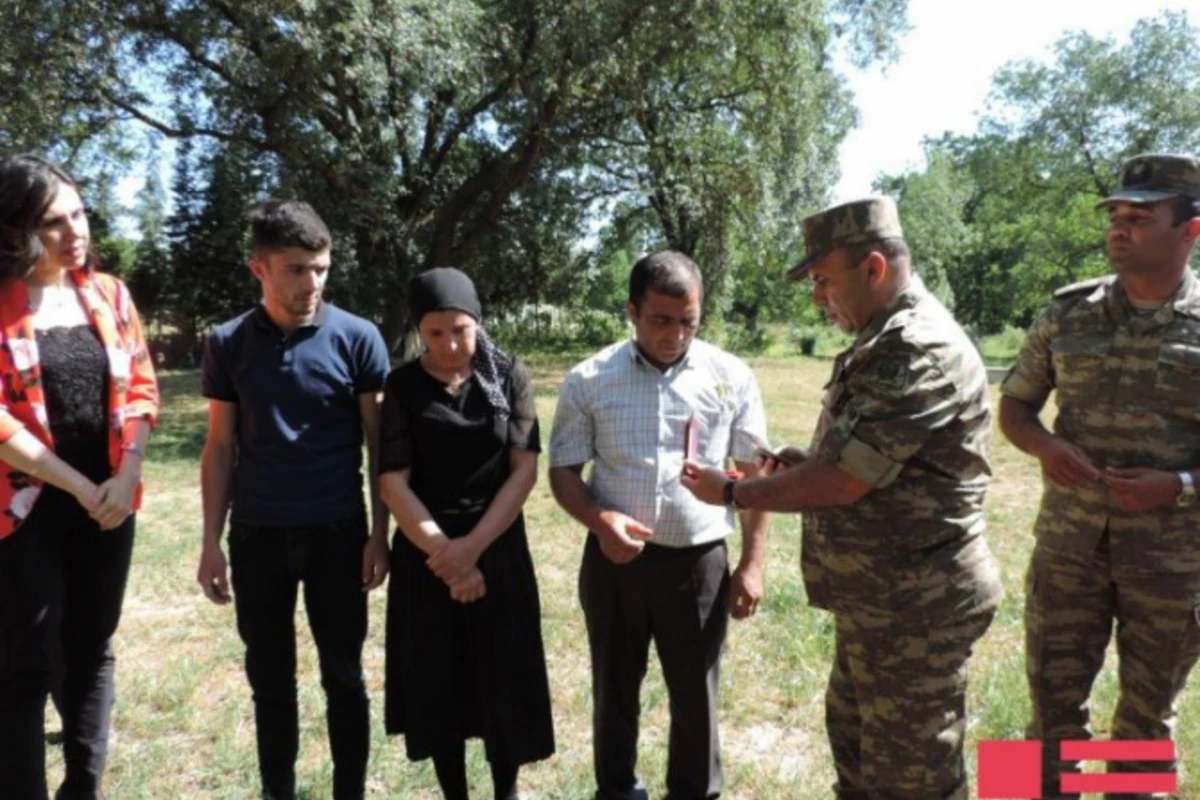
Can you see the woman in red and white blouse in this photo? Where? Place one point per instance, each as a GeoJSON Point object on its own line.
{"type": "Point", "coordinates": [77, 400]}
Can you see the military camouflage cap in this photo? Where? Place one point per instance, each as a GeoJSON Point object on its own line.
{"type": "Point", "coordinates": [1154, 177]}
{"type": "Point", "coordinates": [859, 222]}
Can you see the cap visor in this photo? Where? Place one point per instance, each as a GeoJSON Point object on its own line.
{"type": "Point", "coordinates": [1137, 197]}
{"type": "Point", "coordinates": [797, 272]}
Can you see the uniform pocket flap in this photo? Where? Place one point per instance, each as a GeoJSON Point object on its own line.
{"type": "Point", "coordinates": [1179, 354]}
{"type": "Point", "coordinates": [1080, 344]}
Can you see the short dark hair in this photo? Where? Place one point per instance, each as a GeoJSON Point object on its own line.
{"type": "Point", "coordinates": [277, 224]}
{"type": "Point", "coordinates": [894, 249]}
{"type": "Point", "coordinates": [28, 185]}
{"type": "Point", "coordinates": [666, 272]}
{"type": "Point", "coordinates": [1184, 209]}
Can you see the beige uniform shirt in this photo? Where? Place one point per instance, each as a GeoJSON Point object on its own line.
{"type": "Point", "coordinates": [906, 411]}
{"type": "Point", "coordinates": [1128, 393]}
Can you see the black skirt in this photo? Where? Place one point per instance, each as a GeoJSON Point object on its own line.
{"type": "Point", "coordinates": [457, 671]}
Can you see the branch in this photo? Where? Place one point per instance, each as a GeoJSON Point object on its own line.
{"type": "Point", "coordinates": [435, 114]}
{"type": "Point", "coordinates": [621, 220]}
{"type": "Point", "coordinates": [1101, 184]}
{"type": "Point", "coordinates": [396, 113]}
{"type": "Point", "coordinates": [629, 177]}
{"type": "Point", "coordinates": [468, 118]}
{"type": "Point", "coordinates": [591, 197]}
{"type": "Point", "coordinates": [395, 108]}
{"type": "Point", "coordinates": [252, 40]}
{"type": "Point", "coordinates": [497, 199]}
{"type": "Point", "coordinates": [499, 179]}
{"type": "Point", "coordinates": [617, 141]}
{"type": "Point", "coordinates": [160, 23]}
{"type": "Point", "coordinates": [430, 166]}
{"type": "Point", "coordinates": [720, 101]}
{"type": "Point", "coordinates": [180, 133]}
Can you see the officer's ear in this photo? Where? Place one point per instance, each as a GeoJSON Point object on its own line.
{"type": "Point", "coordinates": [1192, 228]}
{"type": "Point", "coordinates": [258, 265]}
{"type": "Point", "coordinates": [877, 269]}
{"type": "Point", "coordinates": [631, 312]}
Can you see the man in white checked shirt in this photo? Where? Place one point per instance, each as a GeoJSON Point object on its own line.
{"type": "Point", "coordinates": [655, 564]}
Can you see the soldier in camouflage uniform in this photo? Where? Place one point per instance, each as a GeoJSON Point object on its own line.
{"type": "Point", "coordinates": [892, 496]}
{"type": "Point", "coordinates": [1118, 535]}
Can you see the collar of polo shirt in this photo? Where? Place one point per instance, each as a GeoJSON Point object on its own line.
{"type": "Point", "coordinates": [318, 319]}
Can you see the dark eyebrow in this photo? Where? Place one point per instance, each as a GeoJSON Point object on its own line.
{"type": "Point", "coordinates": [1136, 211]}
{"type": "Point", "coordinates": [69, 213]}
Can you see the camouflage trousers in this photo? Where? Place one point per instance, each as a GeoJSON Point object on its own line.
{"type": "Point", "coordinates": [1070, 609]}
{"type": "Point", "coordinates": [895, 709]}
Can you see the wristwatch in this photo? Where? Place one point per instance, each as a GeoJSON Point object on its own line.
{"type": "Point", "coordinates": [1187, 495]}
{"type": "Point", "coordinates": [730, 501]}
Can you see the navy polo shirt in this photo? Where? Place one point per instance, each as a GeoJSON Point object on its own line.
{"type": "Point", "coordinates": [299, 430]}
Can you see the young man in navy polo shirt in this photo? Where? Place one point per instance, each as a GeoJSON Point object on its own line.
{"type": "Point", "coordinates": [293, 385]}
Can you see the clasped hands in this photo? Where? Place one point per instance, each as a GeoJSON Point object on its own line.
{"type": "Point", "coordinates": [1131, 488]}
{"type": "Point", "coordinates": [110, 503]}
{"type": "Point", "coordinates": [455, 563]}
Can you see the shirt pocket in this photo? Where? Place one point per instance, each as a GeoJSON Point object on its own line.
{"type": "Point", "coordinates": [1177, 378]}
{"type": "Point", "coordinates": [1078, 358]}
{"type": "Point", "coordinates": [716, 425]}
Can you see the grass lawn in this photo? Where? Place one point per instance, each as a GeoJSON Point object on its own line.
{"type": "Point", "coordinates": [184, 730]}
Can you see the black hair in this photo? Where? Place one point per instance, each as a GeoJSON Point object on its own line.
{"type": "Point", "coordinates": [666, 272]}
{"type": "Point", "coordinates": [277, 224]}
{"type": "Point", "coordinates": [1184, 209]}
{"type": "Point", "coordinates": [28, 185]}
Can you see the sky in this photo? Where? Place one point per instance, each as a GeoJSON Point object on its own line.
{"type": "Point", "coordinates": [943, 75]}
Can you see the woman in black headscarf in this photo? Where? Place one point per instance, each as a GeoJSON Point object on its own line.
{"type": "Point", "coordinates": [458, 459]}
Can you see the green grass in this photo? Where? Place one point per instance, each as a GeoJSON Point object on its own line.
{"type": "Point", "coordinates": [1000, 349]}
{"type": "Point", "coordinates": [183, 726]}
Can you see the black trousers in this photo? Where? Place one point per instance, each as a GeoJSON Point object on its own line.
{"type": "Point", "coordinates": [679, 599]}
{"type": "Point", "coordinates": [62, 582]}
{"type": "Point", "coordinates": [268, 564]}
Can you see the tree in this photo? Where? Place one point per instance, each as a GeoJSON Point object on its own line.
{"type": "Point", "coordinates": [415, 126]}
{"type": "Point", "coordinates": [931, 204]}
{"type": "Point", "coordinates": [114, 252]}
{"type": "Point", "coordinates": [45, 107]}
{"type": "Point", "coordinates": [1008, 212]}
{"type": "Point", "coordinates": [734, 125]}
{"type": "Point", "coordinates": [210, 281]}
{"type": "Point", "coordinates": [150, 277]}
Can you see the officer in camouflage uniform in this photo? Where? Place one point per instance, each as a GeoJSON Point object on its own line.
{"type": "Point", "coordinates": [892, 496]}
{"type": "Point", "coordinates": [1118, 535]}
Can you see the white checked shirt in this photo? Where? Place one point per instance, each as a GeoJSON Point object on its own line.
{"type": "Point", "coordinates": [621, 412]}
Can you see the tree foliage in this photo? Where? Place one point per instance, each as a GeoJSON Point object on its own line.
{"type": "Point", "coordinates": [487, 135]}
{"type": "Point", "coordinates": [1008, 213]}
{"type": "Point", "coordinates": [210, 281]}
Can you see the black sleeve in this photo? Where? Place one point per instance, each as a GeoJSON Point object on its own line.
{"type": "Point", "coordinates": [395, 437]}
{"type": "Point", "coordinates": [371, 361]}
{"type": "Point", "coordinates": [217, 382]}
{"type": "Point", "coordinates": [523, 431]}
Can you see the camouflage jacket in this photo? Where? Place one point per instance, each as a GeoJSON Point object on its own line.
{"type": "Point", "coordinates": [1128, 393]}
{"type": "Point", "coordinates": [906, 411]}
